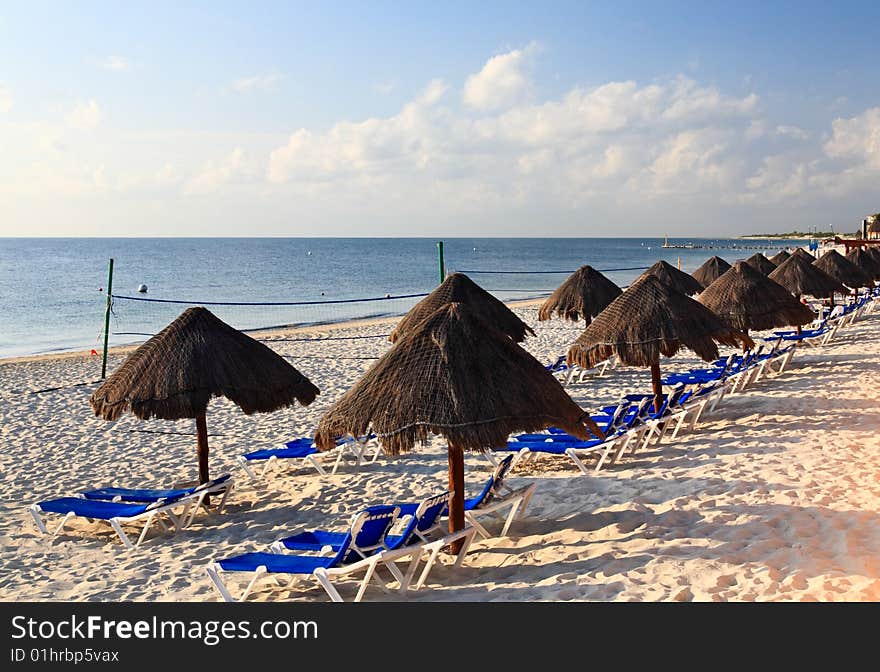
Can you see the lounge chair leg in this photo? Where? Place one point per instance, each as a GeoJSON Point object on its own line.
{"type": "Point", "coordinates": [243, 463]}
{"type": "Point", "coordinates": [510, 517]}
{"type": "Point", "coordinates": [230, 486]}
{"type": "Point", "coordinates": [213, 571]}
{"type": "Point", "coordinates": [63, 522]}
{"type": "Point", "coordinates": [577, 461]}
{"type": "Point", "coordinates": [114, 523]}
{"type": "Point", "coordinates": [321, 575]}
{"type": "Point", "coordinates": [311, 460]}
{"type": "Point", "coordinates": [35, 512]}
{"type": "Point", "coordinates": [473, 521]}
{"type": "Point", "coordinates": [429, 563]}
{"type": "Point", "coordinates": [468, 540]}
{"type": "Point", "coordinates": [681, 419]}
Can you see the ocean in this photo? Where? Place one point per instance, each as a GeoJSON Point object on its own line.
{"type": "Point", "coordinates": [53, 290]}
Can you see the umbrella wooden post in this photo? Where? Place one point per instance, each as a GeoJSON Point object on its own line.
{"type": "Point", "coordinates": [202, 437]}
{"type": "Point", "coordinates": [657, 385]}
{"type": "Point", "coordinates": [456, 486]}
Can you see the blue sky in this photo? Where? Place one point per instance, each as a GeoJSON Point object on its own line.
{"type": "Point", "coordinates": [624, 118]}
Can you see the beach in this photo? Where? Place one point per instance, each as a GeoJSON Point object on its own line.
{"type": "Point", "coordinates": [773, 497]}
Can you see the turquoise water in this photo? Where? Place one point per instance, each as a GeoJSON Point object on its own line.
{"type": "Point", "coordinates": [52, 290]}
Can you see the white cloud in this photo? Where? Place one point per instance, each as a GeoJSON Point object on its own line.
{"type": "Point", "coordinates": [502, 81]}
{"type": "Point", "coordinates": [235, 166]}
{"type": "Point", "coordinates": [256, 83]}
{"type": "Point", "coordinates": [85, 116]}
{"type": "Point", "coordinates": [793, 132]}
{"type": "Point", "coordinates": [117, 63]}
{"type": "Point", "coordinates": [857, 138]}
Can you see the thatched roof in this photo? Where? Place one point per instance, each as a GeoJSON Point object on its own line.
{"type": "Point", "coordinates": [458, 288]}
{"type": "Point", "coordinates": [748, 299]}
{"type": "Point", "coordinates": [874, 227]}
{"type": "Point", "coordinates": [650, 319]}
{"type": "Point", "coordinates": [843, 270]}
{"type": "Point", "coordinates": [710, 271]}
{"type": "Point", "coordinates": [865, 261]}
{"type": "Point", "coordinates": [198, 356]}
{"type": "Point", "coordinates": [779, 257]}
{"type": "Point", "coordinates": [801, 252]}
{"type": "Point", "coordinates": [453, 374]}
{"type": "Point", "coordinates": [800, 277]}
{"type": "Point", "coordinates": [874, 251]}
{"type": "Point", "coordinates": [670, 276]}
{"type": "Point", "coordinates": [761, 263]}
{"type": "Point", "coordinates": [584, 294]}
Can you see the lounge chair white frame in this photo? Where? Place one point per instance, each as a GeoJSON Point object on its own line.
{"type": "Point", "coordinates": [357, 447]}
{"type": "Point", "coordinates": [323, 575]}
{"type": "Point", "coordinates": [516, 499]}
{"type": "Point", "coordinates": [151, 514]}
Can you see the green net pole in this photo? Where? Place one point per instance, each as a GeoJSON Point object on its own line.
{"type": "Point", "coordinates": [440, 260]}
{"type": "Point", "coordinates": [107, 320]}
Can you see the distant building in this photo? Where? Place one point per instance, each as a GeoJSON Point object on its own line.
{"type": "Point", "coordinates": [871, 226]}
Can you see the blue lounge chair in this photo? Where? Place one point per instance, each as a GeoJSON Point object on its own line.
{"type": "Point", "coordinates": [358, 552]}
{"type": "Point", "coordinates": [115, 513]}
{"type": "Point", "coordinates": [305, 451]}
{"type": "Point", "coordinates": [194, 495]}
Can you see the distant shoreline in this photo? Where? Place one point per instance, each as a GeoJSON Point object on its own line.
{"type": "Point", "coordinates": [787, 236]}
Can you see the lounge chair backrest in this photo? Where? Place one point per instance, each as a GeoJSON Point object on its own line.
{"type": "Point", "coordinates": [425, 518]}
{"type": "Point", "coordinates": [495, 480]}
{"type": "Point", "coordinates": [367, 532]}
{"type": "Point", "coordinates": [214, 482]}
{"type": "Point", "coordinates": [619, 413]}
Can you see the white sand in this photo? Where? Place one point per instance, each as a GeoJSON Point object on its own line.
{"type": "Point", "coordinates": [774, 497]}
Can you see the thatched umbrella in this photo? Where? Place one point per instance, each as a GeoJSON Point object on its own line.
{"type": "Point", "coordinates": [801, 277]}
{"type": "Point", "coordinates": [874, 251]}
{"type": "Point", "coordinates": [748, 299]}
{"type": "Point", "coordinates": [457, 375]}
{"type": "Point", "coordinates": [458, 288]}
{"type": "Point", "coordinates": [761, 263]}
{"type": "Point", "coordinates": [198, 356]}
{"type": "Point", "coordinates": [678, 280]}
{"type": "Point", "coordinates": [780, 257]}
{"type": "Point", "coordinates": [584, 294]}
{"type": "Point", "coordinates": [710, 271]}
{"type": "Point", "coordinates": [843, 270]}
{"type": "Point", "coordinates": [650, 319]}
{"type": "Point", "coordinates": [865, 261]}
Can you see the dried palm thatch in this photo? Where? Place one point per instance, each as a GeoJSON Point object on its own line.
{"type": "Point", "coordinates": [458, 288]}
{"type": "Point", "coordinates": [710, 271]}
{"type": "Point", "coordinates": [453, 374]}
{"type": "Point", "coordinates": [650, 319]}
{"type": "Point", "coordinates": [647, 320]}
{"type": "Point", "coordinates": [678, 280]}
{"type": "Point", "coordinates": [800, 277]}
{"type": "Point", "coordinates": [843, 270]}
{"type": "Point", "coordinates": [873, 250]}
{"type": "Point", "coordinates": [801, 252]}
{"type": "Point", "coordinates": [865, 261]}
{"type": "Point", "coordinates": [198, 356]}
{"type": "Point", "coordinates": [457, 375]}
{"type": "Point", "coordinates": [748, 299]}
{"type": "Point", "coordinates": [585, 294]}
{"type": "Point", "coordinates": [780, 257]}
{"type": "Point", "coordinates": [761, 263]}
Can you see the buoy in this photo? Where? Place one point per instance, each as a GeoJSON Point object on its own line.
{"type": "Point", "coordinates": [475, 249]}
{"type": "Point", "coordinates": [142, 289]}
{"type": "Point", "coordinates": [309, 253]}
{"type": "Point", "coordinates": [388, 296]}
